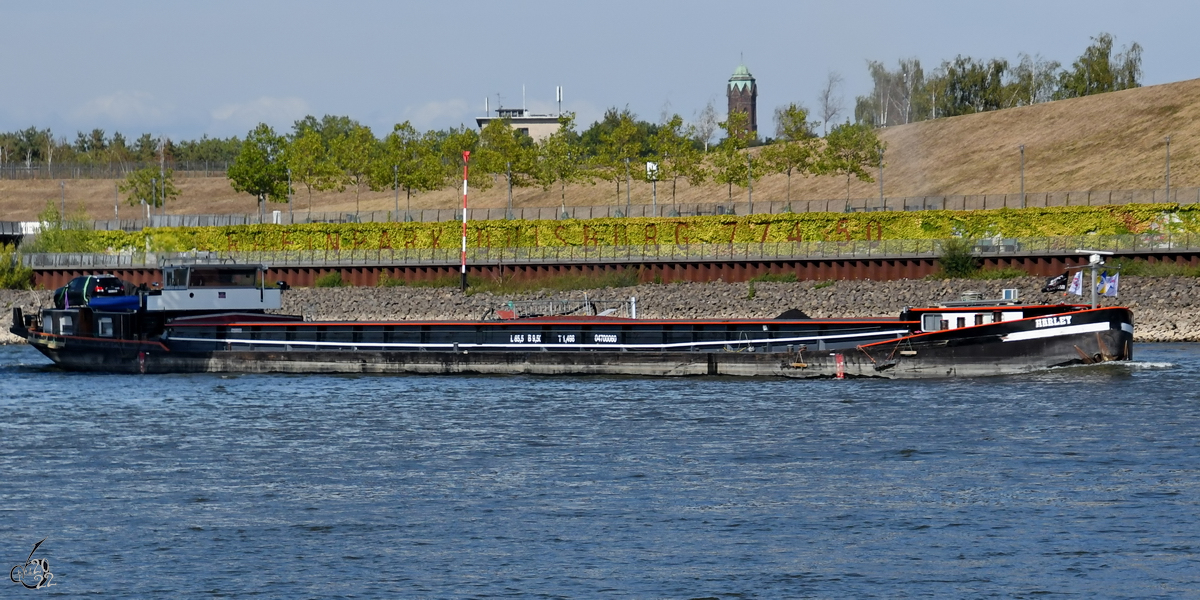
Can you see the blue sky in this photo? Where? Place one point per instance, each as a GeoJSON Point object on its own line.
{"type": "Point", "coordinates": [219, 67]}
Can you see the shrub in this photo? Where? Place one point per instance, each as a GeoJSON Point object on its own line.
{"type": "Point", "coordinates": [13, 274]}
{"type": "Point", "coordinates": [331, 279]}
{"type": "Point", "coordinates": [958, 258]}
{"type": "Point", "coordinates": [776, 277]}
{"type": "Point", "coordinates": [63, 233]}
{"type": "Point", "coordinates": [1148, 269]}
{"type": "Point", "coordinates": [1007, 273]}
{"type": "Point", "coordinates": [386, 280]}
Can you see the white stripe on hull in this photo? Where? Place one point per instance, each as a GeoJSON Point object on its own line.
{"type": "Point", "coordinates": [1055, 332]}
{"type": "Point", "coordinates": [535, 346]}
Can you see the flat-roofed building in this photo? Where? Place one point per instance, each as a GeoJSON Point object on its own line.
{"type": "Point", "coordinates": [537, 127]}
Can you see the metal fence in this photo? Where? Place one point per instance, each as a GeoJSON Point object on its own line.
{"type": "Point", "coordinates": [118, 170]}
{"type": "Point", "coordinates": [974, 202]}
{"type": "Point", "coordinates": [1122, 244]}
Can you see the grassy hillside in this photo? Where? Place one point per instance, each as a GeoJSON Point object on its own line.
{"type": "Point", "coordinates": [1103, 142]}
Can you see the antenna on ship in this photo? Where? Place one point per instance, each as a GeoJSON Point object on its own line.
{"type": "Point", "coordinates": [1095, 261]}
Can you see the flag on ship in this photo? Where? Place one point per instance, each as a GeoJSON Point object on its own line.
{"type": "Point", "coordinates": [1110, 288]}
{"type": "Point", "coordinates": [1102, 282]}
{"type": "Point", "coordinates": [1076, 286]}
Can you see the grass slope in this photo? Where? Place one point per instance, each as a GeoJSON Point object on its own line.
{"type": "Point", "coordinates": [1105, 142]}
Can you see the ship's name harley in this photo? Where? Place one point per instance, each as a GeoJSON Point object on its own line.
{"type": "Point", "coordinates": [1053, 321]}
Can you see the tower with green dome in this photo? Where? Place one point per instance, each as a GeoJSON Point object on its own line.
{"type": "Point", "coordinates": [743, 95]}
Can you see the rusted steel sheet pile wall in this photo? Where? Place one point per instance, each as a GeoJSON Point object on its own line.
{"type": "Point", "coordinates": [814, 269]}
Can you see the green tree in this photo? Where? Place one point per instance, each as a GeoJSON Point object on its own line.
{"type": "Point", "coordinates": [732, 165]}
{"type": "Point", "coordinates": [62, 233]}
{"type": "Point", "coordinates": [620, 144]}
{"type": "Point", "coordinates": [14, 275]}
{"type": "Point", "coordinates": [410, 161]}
{"type": "Point", "coordinates": [851, 150]}
{"type": "Point", "coordinates": [329, 127]}
{"type": "Point", "coordinates": [896, 97]}
{"type": "Point", "coordinates": [795, 148]}
{"type": "Point", "coordinates": [1098, 70]}
{"type": "Point", "coordinates": [150, 185]}
{"type": "Point", "coordinates": [1033, 81]}
{"type": "Point", "coordinates": [506, 152]}
{"type": "Point", "coordinates": [204, 150]}
{"type": "Point", "coordinates": [560, 158]}
{"type": "Point", "coordinates": [310, 164]}
{"type": "Point", "coordinates": [145, 149]}
{"type": "Point", "coordinates": [450, 145]}
{"type": "Point", "coordinates": [354, 154]}
{"type": "Point", "coordinates": [674, 147]}
{"type": "Point", "coordinates": [972, 86]}
{"type": "Point", "coordinates": [259, 169]}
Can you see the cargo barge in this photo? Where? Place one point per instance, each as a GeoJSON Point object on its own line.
{"type": "Point", "coordinates": [214, 318]}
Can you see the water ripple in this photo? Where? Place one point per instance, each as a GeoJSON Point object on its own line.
{"type": "Point", "coordinates": [1070, 481]}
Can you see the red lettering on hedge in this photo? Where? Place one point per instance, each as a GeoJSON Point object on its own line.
{"type": "Point", "coordinates": [589, 237]}
{"type": "Point", "coordinates": [620, 234]}
{"type": "Point", "coordinates": [878, 229]}
{"type": "Point", "coordinates": [678, 228]}
{"type": "Point", "coordinates": [841, 229]}
{"type": "Point", "coordinates": [651, 235]}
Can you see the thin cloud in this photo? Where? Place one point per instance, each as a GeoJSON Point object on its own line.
{"type": "Point", "coordinates": [430, 113]}
{"type": "Point", "coordinates": [276, 111]}
{"type": "Point", "coordinates": [124, 107]}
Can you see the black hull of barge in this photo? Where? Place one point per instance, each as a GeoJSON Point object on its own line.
{"type": "Point", "coordinates": [930, 361]}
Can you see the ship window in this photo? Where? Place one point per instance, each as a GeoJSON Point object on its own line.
{"type": "Point", "coordinates": [66, 326]}
{"type": "Point", "coordinates": [106, 327]}
{"type": "Point", "coordinates": [962, 322]}
{"type": "Point", "coordinates": [996, 317]}
{"type": "Point", "coordinates": [175, 278]}
{"type": "Point", "coordinates": [224, 277]}
{"type": "Point", "coordinates": [931, 322]}
{"type": "Point", "coordinates": [944, 324]}
{"type": "Point", "coordinates": [979, 319]}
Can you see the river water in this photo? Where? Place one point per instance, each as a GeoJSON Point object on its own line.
{"type": "Point", "coordinates": [1075, 482]}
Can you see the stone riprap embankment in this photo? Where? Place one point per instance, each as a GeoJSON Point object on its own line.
{"type": "Point", "coordinates": [1164, 307]}
{"type": "Point", "coordinates": [30, 301]}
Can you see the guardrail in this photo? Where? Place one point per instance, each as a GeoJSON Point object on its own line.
{"type": "Point", "coordinates": [856, 249]}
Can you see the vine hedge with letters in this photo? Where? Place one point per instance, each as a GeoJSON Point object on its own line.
{"type": "Point", "coordinates": [759, 228]}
